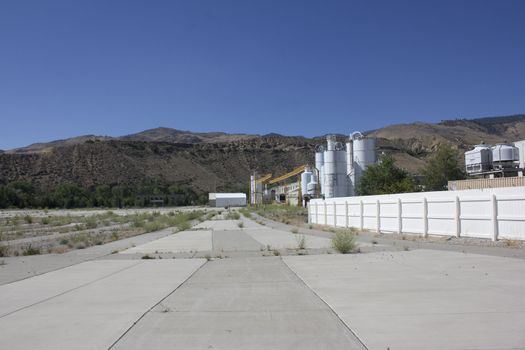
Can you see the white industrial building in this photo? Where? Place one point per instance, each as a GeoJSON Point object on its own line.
{"type": "Point", "coordinates": [226, 200]}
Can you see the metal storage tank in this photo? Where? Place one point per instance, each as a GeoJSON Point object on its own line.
{"type": "Point", "coordinates": [329, 173]}
{"type": "Point", "coordinates": [505, 156]}
{"type": "Point", "coordinates": [350, 165]}
{"type": "Point", "coordinates": [306, 178]}
{"type": "Point", "coordinates": [311, 187]}
{"type": "Point", "coordinates": [341, 186]}
{"type": "Point", "coordinates": [364, 154]}
{"type": "Point", "coordinates": [335, 179]}
{"type": "Point", "coordinates": [319, 165]}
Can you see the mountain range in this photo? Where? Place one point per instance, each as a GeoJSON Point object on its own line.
{"type": "Point", "coordinates": [215, 161]}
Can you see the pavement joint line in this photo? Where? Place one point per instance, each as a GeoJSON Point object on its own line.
{"type": "Point", "coordinates": [155, 305]}
{"type": "Point", "coordinates": [70, 290]}
{"type": "Point", "coordinates": [96, 257]}
{"type": "Point", "coordinates": [329, 307]}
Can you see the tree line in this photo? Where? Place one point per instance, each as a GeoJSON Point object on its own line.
{"type": "Point", "coordinates": [385, 177]}
{"type": "Point", "coordinates": [21, 194]}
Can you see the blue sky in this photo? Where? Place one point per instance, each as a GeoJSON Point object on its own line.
{"type": "Point", "coordinates": [69, 68]}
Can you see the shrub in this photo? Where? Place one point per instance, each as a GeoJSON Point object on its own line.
{"type": "Point", "coordinates": [4, 250]}
{"type": "Point", "coordinates": [240, 224]}
{"type": "Point", "coordinates": [153, 226]}
{"type": "Point", "coordinates": [28, 219]}
{"type": "Point", "coordinates": [301, 241]}
{"type": "Point", "coordinates": [183, 226]}
{"type": "Point", "coordinates": [344, 241]}
{"type": "Point", "coordinates": [45, 221]}
{"type": "Point", "coordinates": [294, 230]}
{"type": "Point", "coordinates": [233, 215]}
{"type": "Point", "coordinates": [91, 223]}
{"type": "Point", "coordinates": [29, 250]}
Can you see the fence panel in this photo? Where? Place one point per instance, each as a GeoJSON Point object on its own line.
{"type": "Point", "coordinates": [497, 213]}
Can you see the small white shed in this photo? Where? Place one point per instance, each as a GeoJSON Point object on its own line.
{"type": "Point", "coordinates": [219, 200]}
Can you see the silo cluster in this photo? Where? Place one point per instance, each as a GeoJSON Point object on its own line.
{"type": "Point", "coordinates": [339, 167]}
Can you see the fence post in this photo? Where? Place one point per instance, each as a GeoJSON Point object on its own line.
{"type": "Point", "coordinates": [361, 218]}
{"type": "Point", "coordinates": [399, 216]}
{"type": "Point", "coordinates": [335, 214]}
{"type": "Point", "coordinates": [457, 217]}
{"type": "Point", "coordinates": [346, 214]}
{"type": "Point", "coordinates": [425, 217]}
{"type": "Point", "coordinates": [378, 216]}
{"type": "Point", "coordinates": [494, 218]}
{"type": "Point", "coordinates": [325, 214]}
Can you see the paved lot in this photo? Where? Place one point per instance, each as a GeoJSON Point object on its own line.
{"type": "Point", "coordinates": [253, 303]}
{"type": "Point", "coordinates": [418, 299]}
{"type": "Point", "coordinates": [92, 311]}
{"type": "Point", "coordinates": [287, 240]}
{"type": "Point", "coordinates": [184, 241]}
{"type": "Point", "coordinates": [423, 299]}
{"type": "Point", "coordinates": [17, 268]}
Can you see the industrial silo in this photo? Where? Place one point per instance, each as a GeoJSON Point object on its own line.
{"type": "Point", "coordinates": [364, 154]}
{"type": "Point", "coordinates": [319, 166]}
{"type": "Point", "coordinates": [335, 178]}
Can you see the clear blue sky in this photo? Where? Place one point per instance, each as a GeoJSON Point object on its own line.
{"type": "Point", "coordinates": [69, 68]}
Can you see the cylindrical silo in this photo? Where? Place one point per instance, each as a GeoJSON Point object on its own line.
{"type": "Point", "coordinates": [341, 187]}
{"type": "Point", "coordinates": [335, 179]}
{"type": "Point", "coordinates": [350, 166]}
{"type": "Point", "coordinates": [364, 155]}
{"type": "Point", "coordinates": [319, 165]}
{"type": "Point", "coordinates": [329, 173]}
{"type": "Point", "coordinates": [306, 178]}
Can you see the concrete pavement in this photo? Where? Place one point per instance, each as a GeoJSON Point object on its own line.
{"type": "Point", "coordinates": [418, 299]}
{"type": "Point", "coordinates": [286, 240]}
{"type": "Point", "coordinates": [422, 299]}
{"type": "Point", "coordinates": [18, 268]}
{"type": "Point", "coordinates": [253, 303]}
{"type": "Point", "coordinates": [91, 313]}
{"type": "Point", "coordinates": [184, 241]}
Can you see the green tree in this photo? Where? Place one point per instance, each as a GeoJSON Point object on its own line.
{"type": "Point", "coordinates": [385, 178]}
{"type": "Point", "coordinates": [442, 167]}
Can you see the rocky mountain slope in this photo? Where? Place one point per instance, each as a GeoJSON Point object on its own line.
{"type": "Point", "coordinates": [203, 166]}
{"type": "Point", "coordinates": [220, 161]}
{"type": "Point", "coordinates": [152, 135]}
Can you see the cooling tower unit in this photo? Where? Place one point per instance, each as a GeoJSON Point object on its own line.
{"type": "Point", "coordinates": [505, 156]}
{"type": "Point", "coordinates": [521, 150]}
{"type": "Point", "coordinates": [478, 160]}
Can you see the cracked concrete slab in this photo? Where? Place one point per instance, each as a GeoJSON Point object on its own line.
{"type": "Point", "coordinates": [255, 303]}
{"type": "Point", "coordinates": [95, 315]}
{"type": "Point", "coordinates": [185, 241]}
{"type": "Point", "coordinates": [278, 239]}
{"type": "Point", "coordinates": [422, 299]}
